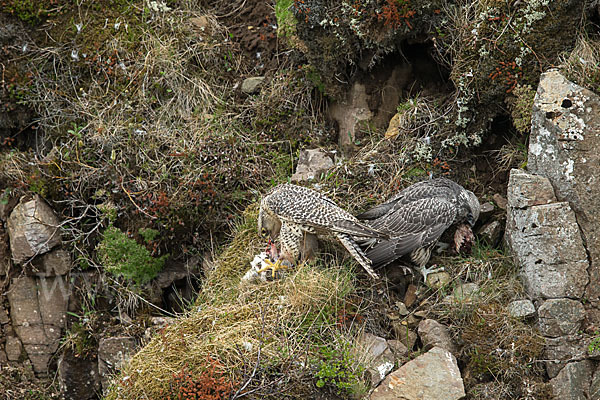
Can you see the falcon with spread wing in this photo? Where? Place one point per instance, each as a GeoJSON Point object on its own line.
{"type": "Point", "coordinates": [289, 212]}
{"type": "Point", "coordinates": [416, 217]}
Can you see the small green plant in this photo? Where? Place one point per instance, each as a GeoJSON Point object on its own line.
{"type": "Point", "coordinates": [521, 107]}
{"type": "Point", "coordinates": [76, 131]}
{"type": "Point", "coordinates": [285, 18]}
{"type": "Point", "coordinates": [594, 344]}
{"type": "Point", "coordinates": [148, 234]}
{"type": "Point", "coordinates": [338, 369]}
{"type": "Point", "coordinates": [123, 256]}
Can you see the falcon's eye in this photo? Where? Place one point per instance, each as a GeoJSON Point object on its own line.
{"type": "Point", "coordinates": [263, 232]}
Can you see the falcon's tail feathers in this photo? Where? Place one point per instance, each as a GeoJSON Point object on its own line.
{"type": "Point", "coordinates": [357, 253]}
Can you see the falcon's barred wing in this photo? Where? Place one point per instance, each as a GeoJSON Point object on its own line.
{"type": "Point", "coordinates": [308, 207]}
{"type": "Point", "coordinates": [415, 225]}
{"type": "Point", "coordinates": [440, 187]}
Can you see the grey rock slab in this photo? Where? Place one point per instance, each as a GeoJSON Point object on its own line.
{"type": "Point", "coordinates": [311, 164]}
{"type": "Point", "coordinates": [560, 351]}
{"type": "Point", "coordinates": [253, 84]}
{"type": "Point", "coordinates": [112, 353]}
{"type": "Point", "coordinates": [491, 233]}
{"type": "Point", "coordinates": [13, 348]}
{"type": "Point", "coordinates": [521, 309]}
{"type": "Point", "coordinates": [434, 334]}
{"type": "Point", "coordinates": [526, 190]}
{"type": "Point", "coordinates": [573, 381]}
{"type": "Point", "coordinates": [56, 262]}
{"type": "Point", "coordinates": [431, 376]}
{"type": "Point", "coordinates": [380, 360]}
{"type": "Point", "coordinates": [38, 313]}
{"type": "Point", "coordinates": [546, 245]}
{"type": "Point", "coordinates": [33, 229]}
{"type": "Point", "coordinates": [560, 317]}
{"type": "Point", "coordinates": [78, 377]}
{"type": "Point", "coordinates": [565, 133]}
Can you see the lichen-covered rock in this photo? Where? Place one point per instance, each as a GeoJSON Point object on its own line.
{"type": "Point", "coordinates": [546, 245]}
{"type": "Point", "coordinates": [521, 309]}
{"type": "Point", "coordinates": [526, 190]}
{"type": "Point", "coordinates": [381, 359]}
{"type": "Point", "coordinates": [561, 350]}
{"type": "Point", "coordinates": [431, 376]}
{"type": "Point", "coordinates": [33, 229]}
{"type": "Point", "coordinates": [311, 164]}
{"type": "Point", "coordinates": [573, 381]}
{"type": "Point", "coordinates": [112, 353]}
{"type": "Point", "coordinates": [252, 85]}
{"type": "Point", "coordinates": [558, 317]}
{"type": "Point", "coordinates": [565, 126]}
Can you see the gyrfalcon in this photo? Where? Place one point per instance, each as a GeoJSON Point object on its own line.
{"type": "Point", "coordinates": [289, 211]}
{"type": "Point", "coordinates": [416, 217]}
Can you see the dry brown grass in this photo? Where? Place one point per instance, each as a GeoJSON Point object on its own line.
{"type": "Point", "coordinates": [582, 65]}
{"type": "Point", "coordinates": [266, 336]}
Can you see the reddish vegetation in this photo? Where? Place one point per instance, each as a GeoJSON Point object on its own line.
{"type": "Point", "coordinates": [396, 12]}
{"type": "Point", "coordinates": [210, 385]}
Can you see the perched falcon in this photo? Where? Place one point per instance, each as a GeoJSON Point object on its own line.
{"type": "Point", "coordinates": [416, 217]}
{"type": "Point", "coordinates": [290, 212]}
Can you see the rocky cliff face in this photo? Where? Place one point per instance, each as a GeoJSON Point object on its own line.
{"type": "Point", "coordinates": [552, 230]}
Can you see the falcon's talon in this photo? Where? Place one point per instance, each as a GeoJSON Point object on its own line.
{"type": "Point", "coordinates": [431, 270]}
{"type": "Point", "coordinates": [273, 266]}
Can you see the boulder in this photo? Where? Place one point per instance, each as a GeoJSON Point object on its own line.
{"type": "Point", "coordinates": [526, 190]}
{"type": "Point", "coordinates": [565, 123]}
{"type": "Point", "coordinates": [33, 229]}
{"type": "Point", "coordinates": [311, 164]}
{"type": "Point", "coordinates": [112, 353]}
{"type": "Point", "coordinates": [252, 85]}
{"type": "Point", "coordinates": [78, 377]}
{"type": "Point", "coordinates": [573, 381]}
{"type": "Point", "coordinates": [521, 309]}
{"type": "Point", "coordinates": [559, 317]}
{"type": "Point", "coordinates": [431, 376]}
{"type": "Point", "coordinates": [434, 334]}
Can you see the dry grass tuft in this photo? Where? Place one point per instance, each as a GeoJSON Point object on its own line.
{"type": "Point", "coordinates": [582, 65]}
{"type": "Point", "coordinates": [267, 337]}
